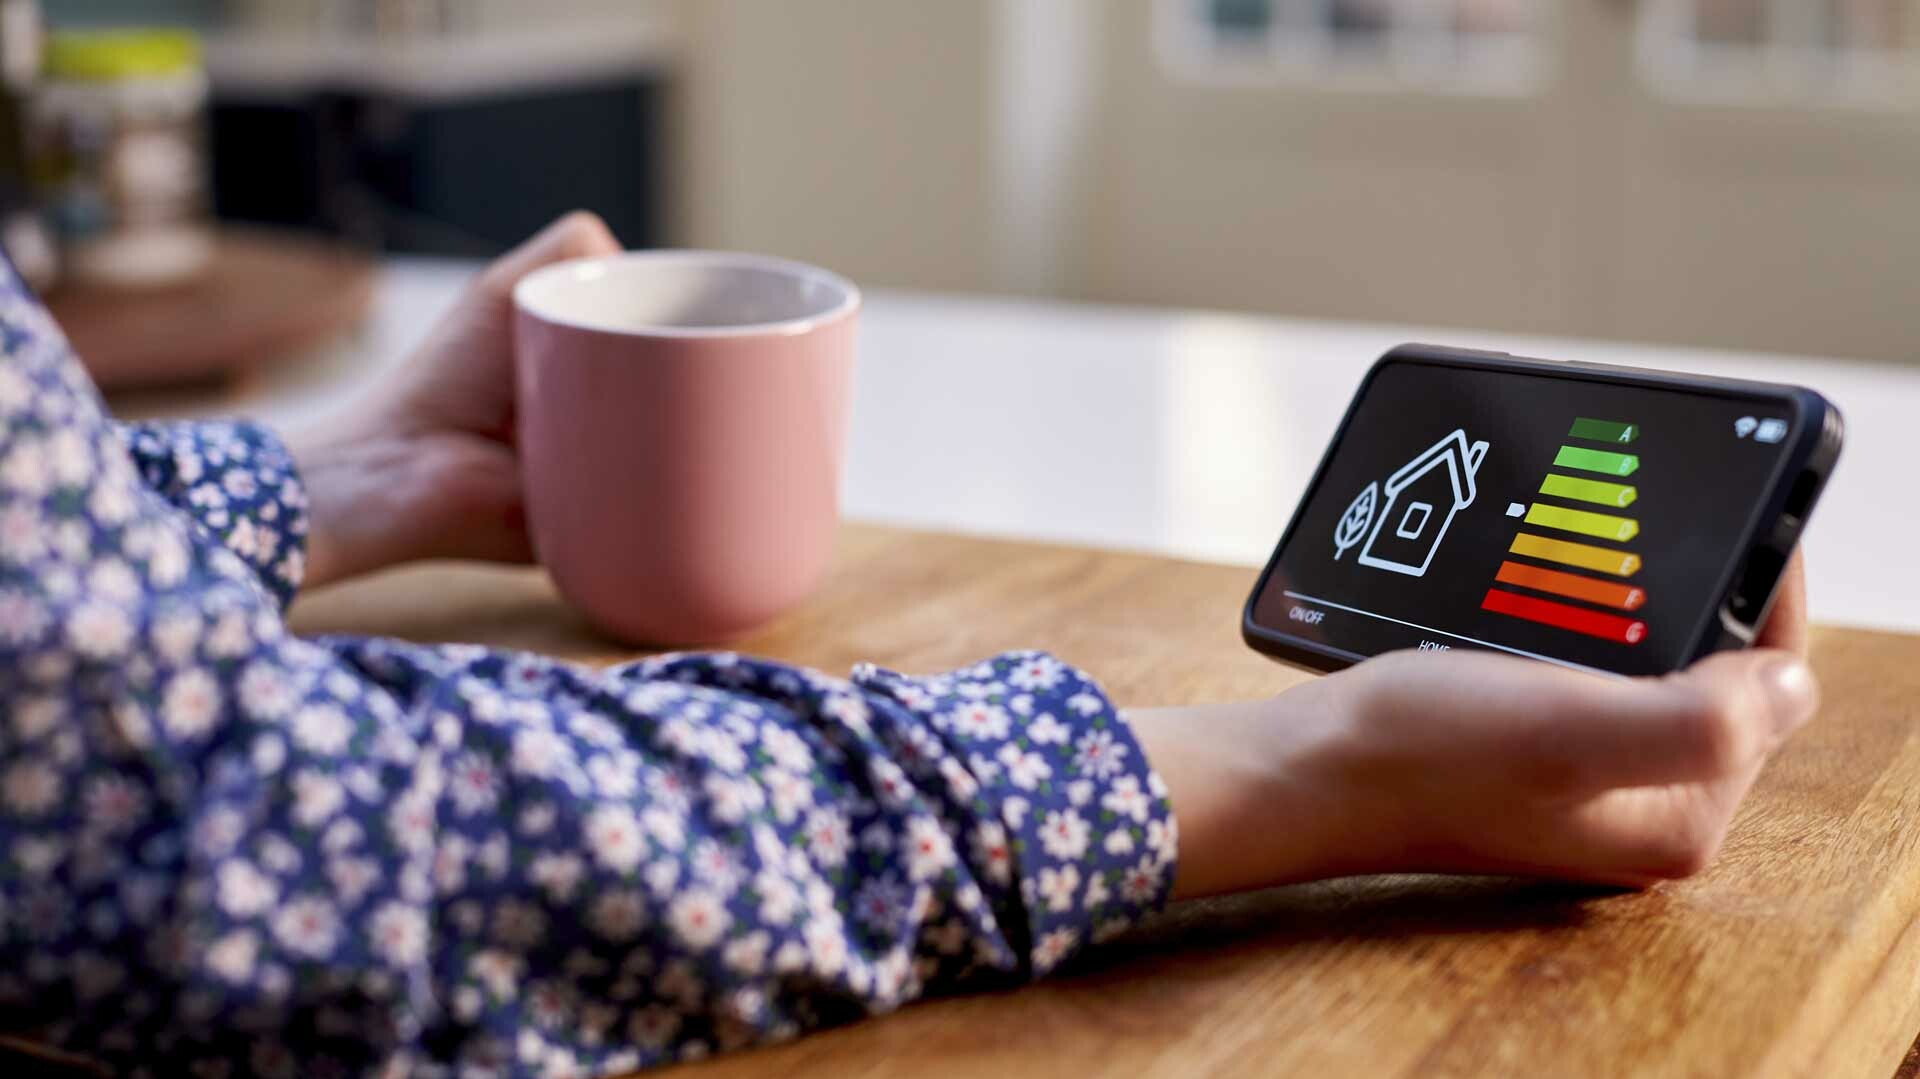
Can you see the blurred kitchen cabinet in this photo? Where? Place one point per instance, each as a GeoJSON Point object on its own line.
{"type": "Point", "coordinates": [457, 145]}
{"type": "Point", "coordinates": [857, 134]}
{"type": "Point", "coordinates": [1325, 159]}
{"type": "Point", "coordinates": [1768, 161]}
{"type": "Point", "coordinates": [1720, 172]}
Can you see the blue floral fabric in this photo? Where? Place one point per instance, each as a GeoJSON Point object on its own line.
{"type": "Point", "coordinates": [226, 850]}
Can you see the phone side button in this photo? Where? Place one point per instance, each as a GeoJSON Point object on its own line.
{"type": "Point", "coordinates": [1754, 585]}
{"type": "Point", "coordinates": [1801, 496]}
{"type": "Point", "coordinates": [1734, 629]}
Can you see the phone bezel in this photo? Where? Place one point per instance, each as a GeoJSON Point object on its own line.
{"type": "Point", "coordinates": [1814, 447]}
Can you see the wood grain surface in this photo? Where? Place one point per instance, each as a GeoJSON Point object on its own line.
{"type": "Point", "coordinates": [1797, 954]}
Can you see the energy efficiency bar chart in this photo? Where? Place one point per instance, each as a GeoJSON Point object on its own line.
{"type": "Point", "coordinates": [1614, 591]}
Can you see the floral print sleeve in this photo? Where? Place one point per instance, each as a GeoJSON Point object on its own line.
{"type": "Point", "coordinates": [236, 482]}
{"type": "Point", "coordinates": [226, 850]}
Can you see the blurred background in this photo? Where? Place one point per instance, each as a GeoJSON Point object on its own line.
{"type": "Point", "coordinates": [1181, 228]}
{"type": "Point", "coordinates": [1730, 173]}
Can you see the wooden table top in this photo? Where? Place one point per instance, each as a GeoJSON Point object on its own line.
{"type": "Point", "coordinates": [1797, 953]}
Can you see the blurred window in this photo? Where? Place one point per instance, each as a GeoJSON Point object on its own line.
{"type": "Point", "coordinates": [1766, 51]}
{"type": "Point", "coordinates": [1462, 45]}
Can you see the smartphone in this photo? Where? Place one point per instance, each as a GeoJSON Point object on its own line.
{"type": "Point", "coordinates": [1604, 518]}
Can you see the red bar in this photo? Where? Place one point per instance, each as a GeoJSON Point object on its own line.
{"type": "Point", "coordinates": [1607, 627]}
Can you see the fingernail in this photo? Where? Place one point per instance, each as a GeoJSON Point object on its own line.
{"type": "Point", "coordinates": [1795, 694]}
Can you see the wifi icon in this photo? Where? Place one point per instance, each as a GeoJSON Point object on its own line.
{"type": "Point", "coordinates": [1744, 426]}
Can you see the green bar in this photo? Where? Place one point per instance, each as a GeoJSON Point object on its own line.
{"type": "Point", "coordinates": [1599, 492]}
{"type": "Point", "coordinates": [1604, 430]}
{"type": "Point", "coordinates": [1598, 525]}
{"type": "Point", "coordinates": [1613, 464]}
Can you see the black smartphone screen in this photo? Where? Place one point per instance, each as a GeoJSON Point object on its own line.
{"type": "Point", "coordinates": [1588, 522]}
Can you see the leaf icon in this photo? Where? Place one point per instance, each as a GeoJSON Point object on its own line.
{"type": "Point", "coordinates": [1353, 523]}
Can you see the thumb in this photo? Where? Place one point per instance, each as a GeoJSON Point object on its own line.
{"type": "Point", "coordinates": [461, 379]}
{"type": "Point", "coordinates": [580, 234]}
{"type": "Point", "coordinates": [1767, 682]}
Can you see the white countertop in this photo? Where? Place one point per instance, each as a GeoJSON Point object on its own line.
{"type": "Point", "coordinates": [1183, 433]}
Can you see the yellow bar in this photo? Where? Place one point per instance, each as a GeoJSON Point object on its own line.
{"type": "Point", "coordinates": [1598, 525]}
{"type": "Point", "coordinates": [1618, 563]}
{"type": "Point", "coordinates": [1598, 492]}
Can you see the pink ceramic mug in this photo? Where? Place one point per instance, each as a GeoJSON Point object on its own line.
{"type": "Point", "coordinates": [682, 417]}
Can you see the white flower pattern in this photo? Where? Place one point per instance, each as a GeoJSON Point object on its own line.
{"type": "Point", "coordinates": [357, 856]}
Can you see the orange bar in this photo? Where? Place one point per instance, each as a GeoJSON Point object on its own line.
{"type": "Point", "coordinates": [1607, 593]}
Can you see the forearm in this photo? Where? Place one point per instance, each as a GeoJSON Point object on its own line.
{"type": "Point", "coordinates": [1261, 792]}
{"type": "Point", "coordinates": [715, 850]}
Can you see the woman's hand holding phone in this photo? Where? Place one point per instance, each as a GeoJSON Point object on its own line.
{"type": "Point", "coordinates": [1480, 763]}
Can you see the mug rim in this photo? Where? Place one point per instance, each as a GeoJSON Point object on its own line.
{"type": "Point", "coordinates": [848, 303]}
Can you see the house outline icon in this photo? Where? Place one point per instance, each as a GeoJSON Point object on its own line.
{"type": "Point", "coordinates": [1416, 531]}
